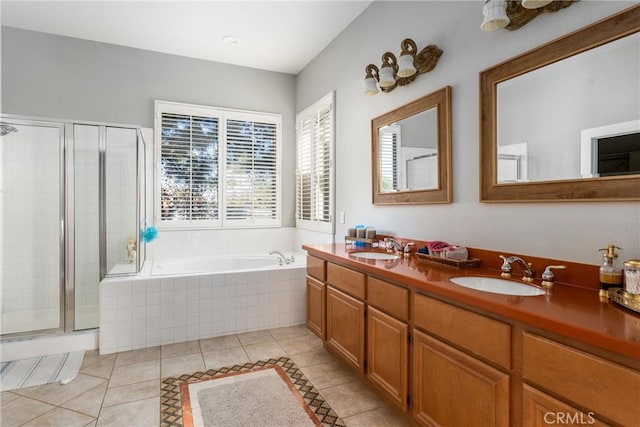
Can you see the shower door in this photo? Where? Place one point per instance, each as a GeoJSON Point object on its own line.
{"type": "Point", "coordinates": [71, 211]}
{"type": "Point", "coordinates": [31, 226]}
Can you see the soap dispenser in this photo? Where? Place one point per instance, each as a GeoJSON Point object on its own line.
{"type": "Point", "coordinates": [610, 272]}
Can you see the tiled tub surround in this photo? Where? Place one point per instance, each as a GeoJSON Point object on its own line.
{"type": "Point", "coordinates": [146, 311]}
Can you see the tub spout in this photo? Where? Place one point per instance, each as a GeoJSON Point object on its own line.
{"type": "Point", "coordinates": [283, 259]}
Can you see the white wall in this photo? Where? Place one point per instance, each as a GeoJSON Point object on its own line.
{"type": "Point", "coordinates": [570, 231]}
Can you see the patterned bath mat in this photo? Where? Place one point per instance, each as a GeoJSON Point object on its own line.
{"type": "Point", "coordinates": [52, 368]}
{"type": "Point", "coordinates": [190, 400]}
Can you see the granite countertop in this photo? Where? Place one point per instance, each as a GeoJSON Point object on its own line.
{"type": "Point", "coordinates": [571, 311]}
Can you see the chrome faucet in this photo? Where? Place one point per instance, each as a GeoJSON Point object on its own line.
{"type": "Point", "coordinates": [393, 245]}
{"type": "Point", "coordinates": [526, 267]}
{"type": "Point", "coordinates": [283, 259]}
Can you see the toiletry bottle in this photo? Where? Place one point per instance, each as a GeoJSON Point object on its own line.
{"type": "Point", "coordinates": [610, 273]}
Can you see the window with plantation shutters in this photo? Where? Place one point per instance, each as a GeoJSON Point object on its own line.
{"type": "Point", "coordinates": [251, 172]}
{"type": "Point", "coordinates": [389, 173]}
{"type": "Point", "coordinates": [314, 166]}
{"type": "Point", "coordinates": [216, 167]}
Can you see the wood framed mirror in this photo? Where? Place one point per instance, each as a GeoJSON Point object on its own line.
{"type": "Point", "coordinates": [411, 152]}
{"type": "Point", "coordinates": [562, 121]}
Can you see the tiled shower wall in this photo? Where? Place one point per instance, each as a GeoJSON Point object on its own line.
{"type": "Point", "coordinates": [147, 312]}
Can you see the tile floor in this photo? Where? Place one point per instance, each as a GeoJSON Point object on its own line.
{"type": "Point", "coordinates": [123, 389]}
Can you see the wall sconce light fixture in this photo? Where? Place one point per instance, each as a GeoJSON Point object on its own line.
{"type": "Point", "coordinates": [402, 71]}
{"type": "Point", "coordinates": [513, 14]}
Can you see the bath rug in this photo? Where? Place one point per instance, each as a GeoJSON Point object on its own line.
{"type": "Point", "coordinates": [256, 399]}
{"type": "Point", "coordinates": [52, 368]}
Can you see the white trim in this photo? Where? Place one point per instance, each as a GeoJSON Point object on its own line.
{"type": "Point", "coordinates": [589, 144]}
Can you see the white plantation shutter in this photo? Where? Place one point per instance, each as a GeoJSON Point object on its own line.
{"type": "Point", "coordinates": [389, 136]}
{"type": "Point", "coordinates": [217, 167]}
{"type": "Point", "coordinates": [251, 172]}
{"type": "Point", "coordinates": [314, 166]}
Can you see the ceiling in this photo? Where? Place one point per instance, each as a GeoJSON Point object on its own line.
{"type": "Point", "coordinates": [281, 36]}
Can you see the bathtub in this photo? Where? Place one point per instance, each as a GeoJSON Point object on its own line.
{"type": "Point", "coordinates": [177, 300]}
{"type": "Point", "coordinates": [223, 264]}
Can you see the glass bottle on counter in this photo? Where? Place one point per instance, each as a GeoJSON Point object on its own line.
{"type": "Point", "coordinates": [610, 272]}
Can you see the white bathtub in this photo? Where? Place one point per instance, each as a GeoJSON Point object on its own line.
{"type": "Point", "coordinates": [222, 264]}
{"type": "Point", "coordinates": [177, 300]}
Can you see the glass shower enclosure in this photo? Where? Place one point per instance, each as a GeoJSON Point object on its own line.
{"type": "Point", "coordinates": [71, 212]}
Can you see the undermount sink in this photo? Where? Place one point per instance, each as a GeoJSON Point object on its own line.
{"type": "Point", "coordinates": [374, 255]}
{"type": "Point", "coordinates": [497, 286]}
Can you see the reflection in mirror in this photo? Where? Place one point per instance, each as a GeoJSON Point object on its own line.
{"type": "Point", "coordinates": [411, 152]}
{"type": "Point", "coordinates": [562, 121]}
{"type": "Point", "coordinates": [571, 97]}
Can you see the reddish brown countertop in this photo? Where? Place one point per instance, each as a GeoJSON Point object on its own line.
{"type": "Point", "coordinates": [573, 312]}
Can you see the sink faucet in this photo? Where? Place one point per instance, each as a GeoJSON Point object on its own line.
{"type": "Point", "coordinates": [281, 256]}
{"type": "Point", "coordinates": [526, 267]}
{"type": "Point", "coordinates": [393, 245]}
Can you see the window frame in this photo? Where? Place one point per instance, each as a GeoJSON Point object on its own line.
{"type": "Point", "coordinates": [314, 110]}
{"type": "Point", "coordinates": [222, 114]}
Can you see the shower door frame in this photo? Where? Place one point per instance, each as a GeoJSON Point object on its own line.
{"type": "Point", "coordinates": [67, 211]}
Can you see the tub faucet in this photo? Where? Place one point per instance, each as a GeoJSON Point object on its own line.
{"type": "Point", "coordinates": [526, 267]}
{"type": "Point", "coordinates": [283, 259]}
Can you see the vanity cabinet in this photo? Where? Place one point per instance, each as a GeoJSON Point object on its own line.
{"type": "Point", "coordinates": [454, 386]}
{"type": "Point", "coordinates": [345, 327]}
{"type": "Point", "coordinates": [316, 306]}
{"type": "Point", "coordinates": [316, 295]}
{"type": "Point", "coordinates": [540, 409]}
{"type": "Point", "coordinates": [604, 389]}
{"type": "Point", "coordinates": [388, 355]}
{"type": "Point", "coordinates": [451, 388]}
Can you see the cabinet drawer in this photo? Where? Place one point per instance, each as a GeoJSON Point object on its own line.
{"type": "Point", "coordinates": [606, 388]}
{"type": "Point", "coordinates": [316, 268]}
{"type": "Point", "coordinates": [345, 279]}
{"type": "Point", "coordinates": [390, 298]}
{"type": "Point", "coordinates": [481, 335]}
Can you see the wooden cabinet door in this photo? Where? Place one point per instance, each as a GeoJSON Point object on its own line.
{"type": "Point", "coordinates": [451, 388]}
{"type": "Point", "coordinates": [540, 409]}
{"type": "Point", "coordinates": [387, 355]}
{"type": "Point", "coordinates": [345, 327]}
{"type": "Point", "coordinates": [316, 308]}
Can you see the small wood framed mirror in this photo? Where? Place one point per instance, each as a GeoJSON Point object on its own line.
{"type": "Point", "coordinates": [411, 152]}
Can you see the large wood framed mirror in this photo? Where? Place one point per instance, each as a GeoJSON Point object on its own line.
{"type": "Point", "coordinates": [411, 152]}
{"type": "Point", "coordinates": [562, 121]}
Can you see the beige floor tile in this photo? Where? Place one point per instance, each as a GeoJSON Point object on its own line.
{"type": "Point", "coordinates": [313, 357]}
{"type": "Point", "coordinates": [131, 393]}
{"type": "Point", "coordinates": [258, 337]}
{"type": "Point", "coordinates": [60, 417]}
{"type": "Point", "coordinates": [100, 366]}
{"type": "Point", "coordinates": [56, 393]}
{"type": "Point", "coordinates": [21, 410]}
{"type": "Point", "coordinates": [180, 349]}
{"type": "Point", "coordinates": [225, 357]}
{"type": "Point", "coordinates": [94, 356]}
{"type": "Point", "coordinates": [219, 343]}
{"type": "Point", "coordinates": [289, 332]}
{"type": "Point", "coordinates": [138, 356]}
{"type": "Point", "coordinates": [179, 365]}
{"type": "Point", "coordinates": [301, 344]}
{"type": "Point", "coordinates": [351, 398]}
{"type": "Point", "coordinates": [139, 413]}
{"type": "Point", "coordinates": [7, 396]}
{"type": "Point", "coordinates": [88, 403]}
{"type": "Point", "coordinates": [328, 374]}
{"type": "Point", "coordinates": [264, 351]}
{"type": "Point", "coordinates": [136, 373]}
{"type": "Point", "coordinates": [380, 417]}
